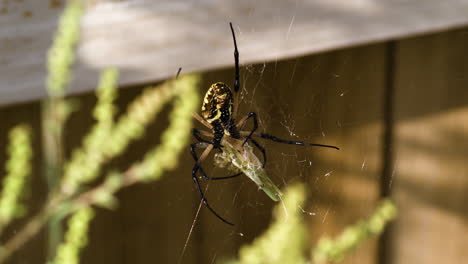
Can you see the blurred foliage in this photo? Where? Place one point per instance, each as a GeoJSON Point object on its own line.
{"type": "Point", "coordinates": [76, 237]}
{"type": "Point", "coordinates": [285, 241]}
{"type": "Point", "coordinates": [70, 181]}
{"type": "Point", "coordinates": [335, 250]}
{"type": "Point", "coordinates": [18, 168]}
{"type": "Point", "coordinates": [62, 55]}
{"type": "Point", "coordinates": [86, 161]}
{"type": "Point", "coordinates": [176, 136]}
{"type": "Point", "coordinates": [56, 110]}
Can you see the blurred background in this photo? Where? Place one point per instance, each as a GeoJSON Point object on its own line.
{"type": "Point", "coordinates": [383, 80]}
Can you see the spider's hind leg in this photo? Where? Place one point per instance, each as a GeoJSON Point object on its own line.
{"type": "Point", "coordinates": [202, 195]}
{"type": "Point", "coordinates": [196, 168]}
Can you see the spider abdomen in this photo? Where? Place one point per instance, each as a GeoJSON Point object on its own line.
{"type": "Point", "coordinates": [217, 104]}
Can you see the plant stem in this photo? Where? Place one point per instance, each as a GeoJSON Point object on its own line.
{"type": "Point", "coordinates": [162, 158]}
{"type": "Point", "coordinates": [31, 229]}
{"type": "Point", "coordinates": [52, 136]}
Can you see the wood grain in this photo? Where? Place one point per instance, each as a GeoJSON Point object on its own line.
{"type": "Point", "coordinates": [332, 98]}
{"type": "Point", "coordinates": [150, 40]}
{"type": "Point", "coordinates": [430, 181]}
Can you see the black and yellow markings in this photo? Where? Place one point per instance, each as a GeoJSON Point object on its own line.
{"type": "Point", "coordinates": [217, 104]}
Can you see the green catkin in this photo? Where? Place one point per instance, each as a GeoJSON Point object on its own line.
{"type": "Point", "coordinates": [285, 239]}
{"type": "Point", "coordinates": [76, 237]}
{"type": "Point", "coordinates": [334, 250]}
{"type": "Point", "coordinates": [18, 168]}
{"type": "Point", "coordinates": [87, 160]}
{"type": "Point", "coordinates": [176, 136]}
{"type": "Point", "coordinates": [61, 55]}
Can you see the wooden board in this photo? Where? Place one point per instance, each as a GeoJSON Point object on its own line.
{"type": "Point", "coordinates": [333, 98]}
{"type": "Point", "coordinates": [317, 98]}
{"type": "Point", "coordinates": [346, 108]}
{"type": "Point", "coordinates": [150, 40]}
{"type": "Point", "coordinates": [430, 180]}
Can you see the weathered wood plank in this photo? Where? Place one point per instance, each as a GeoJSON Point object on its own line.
{"type": "Point", "coordinates": [430, 180]}
{"type": "Point", "coordinates": [347, 110]}
{"type": "Point", "coordinates": [333, 98]}
{"type": "Point", "coordinates": [316, 98]}
{"type": "Point", "coordinates": [149, 40]}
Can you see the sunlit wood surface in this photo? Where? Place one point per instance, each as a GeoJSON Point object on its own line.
{"type": "Point", "coordinates": [149, 40]}
{"type": "Point", "coordinates": [336, 97]}
{"type": "Point", "coordinates": [431, 170]}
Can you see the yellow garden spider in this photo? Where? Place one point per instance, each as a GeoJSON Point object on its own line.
{"type": "Point", "coordinates": [218, 113]}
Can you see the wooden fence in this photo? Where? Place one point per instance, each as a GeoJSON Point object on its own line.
{"type": "Point", "coordinates": [398, 111]}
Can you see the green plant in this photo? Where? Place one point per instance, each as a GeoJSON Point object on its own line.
{"type": "Point", "coordinates": [285, 241]}
{"type": "Point", "coordinates": [107, 139]}
{"type": "Point", "coordinates": [18, 169]}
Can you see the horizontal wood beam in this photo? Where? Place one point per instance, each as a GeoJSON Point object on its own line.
{"type": "Point", "coordinates": [149, 40]}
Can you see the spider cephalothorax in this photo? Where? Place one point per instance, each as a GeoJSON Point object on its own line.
{"type": "Point", "coordinates": [218, 113]}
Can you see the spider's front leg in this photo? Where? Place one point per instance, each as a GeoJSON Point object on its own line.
{"type": "Point", "coordinates": [262, 149]}
{"type": "Point", "coordinates": [241, 123]}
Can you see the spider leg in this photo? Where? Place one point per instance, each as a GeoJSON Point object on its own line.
{"type": "Point", "coordinates": [202, 121]}
{"type": "Point", "coordinates": [241, 123]}
{"type": "Point", "coordinates": [236, 61]}
{"type": "Point", "coordinates": [195, 169]}
{"type": "Point", "coordinates": [252, 115]}
{"type": "Point", "coordinates": [196, 135]}
{"type": "Point", "coordinates": [291, 142]}
{"type": "Point", "coordinates": [205, 133]}
{"type": "Point", "coordinates": [202, 195]}
{"type": "Point", "coordinates": [202, 172]}
{"type": "Point", "coordinates": [236, 75]}
{"type": "Point", "coordinates": [262, 149]}
{"type": "Point", "coordinates": [178, 72]}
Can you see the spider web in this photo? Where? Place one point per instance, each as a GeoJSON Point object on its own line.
{"type": "Point", "coordinates": [279, 113]}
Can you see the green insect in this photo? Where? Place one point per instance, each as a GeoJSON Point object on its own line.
{"type": "Point", "coordinates": [218, 113]}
